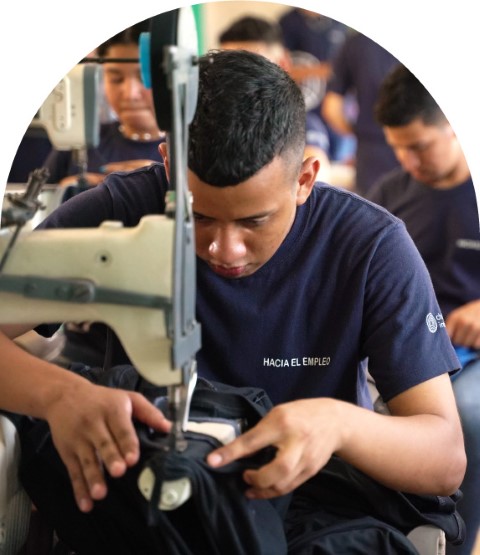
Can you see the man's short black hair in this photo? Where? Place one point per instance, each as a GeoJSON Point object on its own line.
{"type": "Point", "coordinates": [130, 35]}
{"type": "Point", "coordinates": [402, 98]}
{"type": "Point", "coordinates": [253, 29]}
{"type": "Point", "coordinates": [249, 111]}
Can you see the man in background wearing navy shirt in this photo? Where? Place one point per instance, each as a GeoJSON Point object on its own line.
{"type": "Point", "coordinates": [433, 194]}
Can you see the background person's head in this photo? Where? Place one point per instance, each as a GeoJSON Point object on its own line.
{"type": "Point", "coordinates": [124, 90]}
{"type": "Point", "coordinates": [258, 35]}
{"type": "Point", "coordinates": [418, 131]}
{"type": "Point", "coordinates": [249, 111]}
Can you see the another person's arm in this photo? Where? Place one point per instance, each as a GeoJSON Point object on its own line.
{"type": "Point", "coordinates": [333, 111]}
{"type": "Point", "coordinates": [463, 325]}
{"type": "Point", "coordinates": [91, 425]}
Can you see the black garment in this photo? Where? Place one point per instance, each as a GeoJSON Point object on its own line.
{"type": "Point", "coordinates": [217, 519]}
{"type": "Point", "coordinates": [341, 506]}
{"type": "Point", "coordinates": [340, 510]}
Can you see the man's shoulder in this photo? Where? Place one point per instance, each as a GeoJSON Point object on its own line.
{"type": "Point", "coordinates": [349, 209]}
{"type": "Point", "coordinates": [153, 176]}
{"type": "Point", "coordinates": [331, 197]}
{"type": "Point", "coordinates": [393, 183]}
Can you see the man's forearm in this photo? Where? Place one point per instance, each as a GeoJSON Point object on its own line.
{"type": "Point", "coordinates": [422, 453]}
{"type": "Point", "coordinates": [28, 384]}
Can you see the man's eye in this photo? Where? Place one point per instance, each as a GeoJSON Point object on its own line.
{"type": "Point", "coordinates": [200, 218]}
{"type": "Point", "coordinates": [255, 222]}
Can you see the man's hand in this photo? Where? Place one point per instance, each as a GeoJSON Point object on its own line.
{"type": "Point", "coordinates": [463, 325]}
{"type": "Point", "coordinates": [92, 430]}
{"type": "Point", "coordinates": [394, 450]}
{"type": "Point", "coordinates": [305, 433]}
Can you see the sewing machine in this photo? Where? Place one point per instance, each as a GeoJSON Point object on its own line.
{"type": "Point", "coordinates": [70, 113]}
{"type": "Point", "coordinates": [139, 281]}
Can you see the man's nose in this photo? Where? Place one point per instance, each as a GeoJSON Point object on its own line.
{"type": "Point", "coordinates": [409, 159]}
{"type": "Point", "coordinates": [227, 246]}
{"type": "Point", "coordinates": [132, 88]}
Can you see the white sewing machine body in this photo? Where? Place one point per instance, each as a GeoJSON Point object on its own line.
{"type": "Point", "coordinates": [117, 287]}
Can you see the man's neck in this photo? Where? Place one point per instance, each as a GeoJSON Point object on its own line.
{"type": "Point", "coordinates": [455, 178]}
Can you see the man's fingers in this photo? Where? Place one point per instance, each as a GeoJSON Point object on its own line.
{"type": "Point", "coordinates": [105, 439]}
{"type": "Point", "coordinates": [282, 487]}
{"type": "Point", "coordinates": [143, 410]}
{"type": "Point", "coordinates": [245, 445]}
{"type": "Point", "coordinates": [82, 490]}
{"type": "Point", "coordinates": [286, 471]}
{"type": "Point", "coordinates": [117, 449]}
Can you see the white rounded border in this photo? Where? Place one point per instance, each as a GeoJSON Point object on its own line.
{"type": "Point", "coordinates": [41, 41]}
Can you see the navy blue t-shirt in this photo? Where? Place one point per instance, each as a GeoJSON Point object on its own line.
{"type": "Point", "coordinates": [112, 147]}
{"type": "Point", "coordinates": [320, 36]}
{"type": "Point", "coordinates": [359, 68]}
{"type": "Point", "coordinates": [346, 285]}
{"type": "Point", "coordinates": [445, 226]}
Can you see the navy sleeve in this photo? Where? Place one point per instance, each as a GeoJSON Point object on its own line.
{"type": "Point", "coordinates": [59, 165]}
{"type": "Point", "coordinates": [404, 329]}
{"type": "Point", "coordinates": [122, 196]}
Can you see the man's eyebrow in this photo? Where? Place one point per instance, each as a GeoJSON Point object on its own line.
{"type": "Point", "coordinates": [258, 216]}
{"type": "Point", "coordinates": [112, 69]}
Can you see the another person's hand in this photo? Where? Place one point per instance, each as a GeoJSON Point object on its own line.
{"type": "Point", "coordinates": [92, 430]}
{"type": "Point", "coordinates": [90, 177]}
{"type": "Point", "coordinates": [305, 434]}
{"type": "Point", "coordinates": [96, 178]}
{"type": "Point", "coordinates": [126, 165]}
{"type": "Point", "coordinates": [463, 325]}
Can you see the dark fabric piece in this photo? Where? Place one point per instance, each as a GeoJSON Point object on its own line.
{"type": "Point", "coordinates": [341, 493]}
{"type": "Point", "coordinates": [217, 519]}
{"type": "Point", "coordinates": [325, 534]}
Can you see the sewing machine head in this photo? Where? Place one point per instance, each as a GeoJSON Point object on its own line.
{"type": "Point", "coordinates": [95, 274]}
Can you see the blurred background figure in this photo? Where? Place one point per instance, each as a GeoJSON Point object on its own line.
{"type": "Point", "coordinates": [432, 192]}
{"type": "Point", "coordinates": [358, 71]}
{"type": "Point", "coordinates": [312, 32]}
{"type": "Point", "coordinates": [314, 40]}
{"type": "Point", "coordinates": [265, 38]}
{"type": "Point", "coordinates": [129, 135]}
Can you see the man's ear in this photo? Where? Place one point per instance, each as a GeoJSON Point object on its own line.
{"type": "Point", "coordinates": [163, 149]}
{"type": "Point", "coordinates": [306, 179]}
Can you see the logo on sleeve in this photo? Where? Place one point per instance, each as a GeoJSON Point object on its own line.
{"type": "Point", "coordinates": [434, 322]}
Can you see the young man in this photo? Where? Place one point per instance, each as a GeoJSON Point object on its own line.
{"type": "Point", "coordinates": [433, 193]}
{"type": "Point", "coordinates": [298, 285]}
